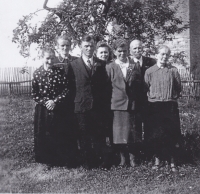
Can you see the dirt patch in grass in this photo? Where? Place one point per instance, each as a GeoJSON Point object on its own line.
{"type": "Point", "coordinates": [20, 174]}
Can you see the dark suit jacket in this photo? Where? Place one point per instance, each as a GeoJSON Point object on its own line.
{"type": "Point", "coordinates": [89, 88]}
{"type": "Point", "coordinates": [147, 62]}
{"type": "Point", "coordinates": [142, 100]}
{"type": "Point", "coordinates": [124, 91]}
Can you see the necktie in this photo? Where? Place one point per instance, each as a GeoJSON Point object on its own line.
{"type": "Point", "coordinates": [138, 66]}
{"type": "Point", "coordinates": [89, 64]}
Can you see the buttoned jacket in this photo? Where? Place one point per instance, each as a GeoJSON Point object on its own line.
{"type": "Point", "coordinates": [89, 85]}
{"type": "Point", "coordinates": [124, 91]}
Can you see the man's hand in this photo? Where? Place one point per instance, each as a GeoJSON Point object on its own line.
{"type": "Point", "coordinates": [50, 104]}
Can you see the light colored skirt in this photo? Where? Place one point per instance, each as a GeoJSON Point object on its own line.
{"type": "Point", "coordinates": [124, 131]}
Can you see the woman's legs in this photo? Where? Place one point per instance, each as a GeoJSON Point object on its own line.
{"type": "Point", "coordinates": [126, 154]}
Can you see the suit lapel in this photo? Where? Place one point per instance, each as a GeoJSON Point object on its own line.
{"type": "Point", "coordinates": [82, 67]}
{"type": "Point", "coordinates": [119, 71]}
{"type": "Point", "coordinates": [144, 63]}
{"type": "Point", "coordinates": [130, 71]}
{"type": "Point", "coordinates": [95, 64]}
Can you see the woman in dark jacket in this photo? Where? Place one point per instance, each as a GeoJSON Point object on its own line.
{"type": "Point", "coordinates": [124, 80]}
{"type": "Point", "coordinates": [104, 53]}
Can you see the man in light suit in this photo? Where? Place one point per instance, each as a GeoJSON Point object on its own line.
{"type": "Point", "coordinates": [136, 51]}
{"type": "Point", "coordinates": [89, 98]}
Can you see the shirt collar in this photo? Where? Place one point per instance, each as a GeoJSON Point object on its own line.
{"type": "Point", "coordinates": [137, 60]}
{"type": "Point", "coordinates": [122, 64]}
{"type": "Point", "coordinates": [161, 66]}
{"type": "Point", "coordinates": [50, 69]}
{"type": "Point", "coordinates": [85, 59]}
{"type": "Point", "coordinates": [156, 67]}
{"type": "Point", "coordinates": [61, 59]}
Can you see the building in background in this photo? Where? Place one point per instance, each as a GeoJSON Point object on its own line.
{"type": "Point", "coordinates": [188, 42]}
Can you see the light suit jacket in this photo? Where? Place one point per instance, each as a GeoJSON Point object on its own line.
{"type": "Point", "coordinates": [123, 91]}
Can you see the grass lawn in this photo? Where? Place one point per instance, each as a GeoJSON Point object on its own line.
{"type": "Point", "coordinates": [20, 174]}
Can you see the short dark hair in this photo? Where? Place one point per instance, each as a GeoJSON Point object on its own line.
{"type": "Point", "coordinates": [120, 43]}
{"type": "Point", "coordinates": [47, 50]}
{"type": "Point", "coordinates": [161, 47]}
{"type": "Point", "coordinates": [87, 38]}
{"type": "Point", "coordinates": [63, 37]}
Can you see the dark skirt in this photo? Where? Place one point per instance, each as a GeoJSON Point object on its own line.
{"type": "Point", "coordinates": [163, 122]}
{"type": "Point", "coordinates": [124, 131]}
{"type": "Point", "coordinates": [54, 138]}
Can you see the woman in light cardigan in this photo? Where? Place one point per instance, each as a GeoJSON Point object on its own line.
{"type": "Point", "coordinates": [124, 80]}
{"type": "Point", "coordinates": [163, 123]}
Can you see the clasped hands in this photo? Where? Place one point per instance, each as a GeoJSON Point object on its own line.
{"type": "Point", "coordinates": [50, 104]}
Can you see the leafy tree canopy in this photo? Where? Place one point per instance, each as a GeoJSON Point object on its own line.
{"type": "Point", "coordinates": [106, 19]}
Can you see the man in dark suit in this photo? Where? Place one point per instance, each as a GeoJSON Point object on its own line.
{"type": "Point", "coordinates": [136, 51]}
{"type": "Point", "coordinates": [89, 93]}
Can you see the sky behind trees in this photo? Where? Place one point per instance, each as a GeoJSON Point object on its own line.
{"type": "Point", "coordinates": [10, 13]}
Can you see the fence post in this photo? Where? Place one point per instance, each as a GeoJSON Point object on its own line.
{"type": "Point", "coordinates": [10, 88]}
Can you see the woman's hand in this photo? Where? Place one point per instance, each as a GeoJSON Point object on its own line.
{"type": "Point", "coordinates": [50, 104]}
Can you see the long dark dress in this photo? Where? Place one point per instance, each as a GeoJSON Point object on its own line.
{"type": "Point", "coordinates": [50, 130]}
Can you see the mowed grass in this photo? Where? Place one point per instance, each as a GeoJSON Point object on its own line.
{"type": "Point", "coordinates": [20, 174]}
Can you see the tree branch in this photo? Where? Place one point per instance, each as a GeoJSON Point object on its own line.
{"type": "Point", "coordinates": [52, 9]}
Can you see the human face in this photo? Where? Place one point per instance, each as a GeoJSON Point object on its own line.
{"type": "Point", "coordinates": [63, 47]}
{"type": "Point", "coordinates": [48, 60]}
{"type": "Point", "coordinates": [87, 48]}
{"type": "Point", "coordinates": [121, 53]}
{"type": "Point", "coordinates": [163, 56]}
{"type": "Point", "coordinates": [136, 49]}
{"type": "Point", "coordinates": [103, 53]}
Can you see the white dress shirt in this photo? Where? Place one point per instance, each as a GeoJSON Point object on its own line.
{"type": "Point", "coordinates": [138, 60]}
{"type": "Point", "coordinates": [123, 66]}
{"type": "Point", "coordinates": [85, 59]}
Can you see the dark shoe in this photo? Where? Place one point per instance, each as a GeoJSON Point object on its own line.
{"type": "Point", "coordinates": [105, 167]}
{"type": "Point", "coordinates": [87, 167]}
{"type": "Point", "coordinates": [121, 166]}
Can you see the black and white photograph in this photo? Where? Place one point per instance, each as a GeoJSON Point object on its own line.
{"type": "Point", "coordinates": [100, 96]}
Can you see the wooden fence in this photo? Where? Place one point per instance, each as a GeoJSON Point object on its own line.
{"type": "Point", "coordinates": [14, 82]}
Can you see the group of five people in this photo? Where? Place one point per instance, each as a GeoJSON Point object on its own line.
{"type": "Point", "coordinates": [92, 107]}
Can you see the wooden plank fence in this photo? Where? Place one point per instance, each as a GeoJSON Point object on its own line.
{"type": "Point", "coordinates": [13, 82]}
